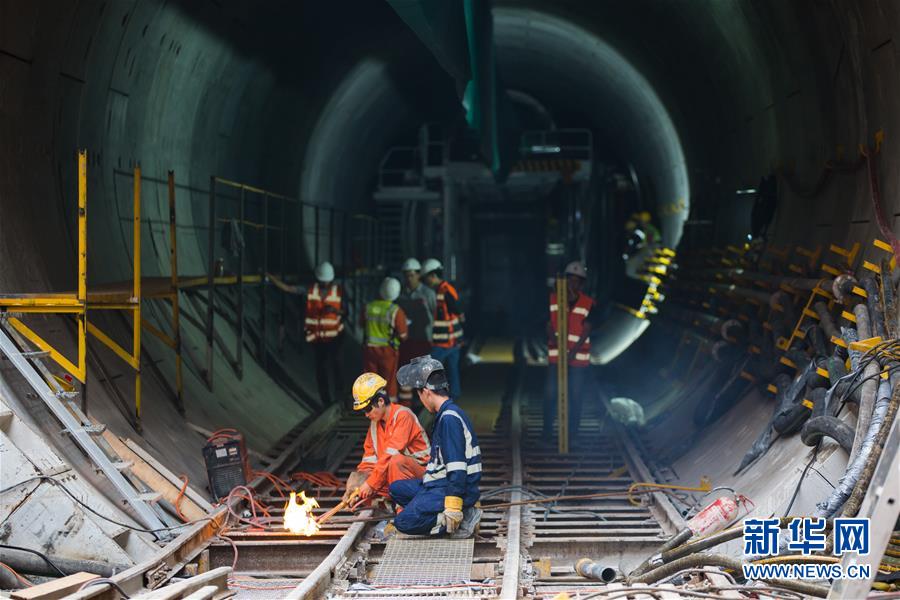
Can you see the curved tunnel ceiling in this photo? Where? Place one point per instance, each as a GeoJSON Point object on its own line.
{"type": "Point", "coordinates": [574, 72]}
{"type": "Point", "coordinates": [703, 96]}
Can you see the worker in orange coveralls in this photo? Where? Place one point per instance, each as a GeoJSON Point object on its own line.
{"type": "Point", "coordinates": [396, 446]}
{"type": "Point", "coordinates": [385, 327]}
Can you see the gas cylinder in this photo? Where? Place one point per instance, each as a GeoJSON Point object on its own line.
{"type": "Point", "coordinates": [718, 515]}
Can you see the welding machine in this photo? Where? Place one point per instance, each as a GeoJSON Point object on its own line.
{"type": "Point", "coordinates": [226, 460]}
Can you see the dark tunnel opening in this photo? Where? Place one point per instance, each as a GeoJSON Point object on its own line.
{"type": "Point", "coordinates": [720, 168]}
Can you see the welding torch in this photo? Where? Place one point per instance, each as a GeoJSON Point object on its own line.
{"type": "Point", "coordinates": [339, 507]}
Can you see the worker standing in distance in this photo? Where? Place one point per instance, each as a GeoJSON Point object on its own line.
{"type": "Point", "coordinates": [448, 320]}
{"type": "Point", "coordinates": [384, 329]}
{"type": "Point", "coordinates": [444, 500]}
{"type": "Point", "coordinates": [578, 351]}
{"type": "Point", "coordinates": [419, 303]}
{"type": "Point", "coordinates": [396, 446]}
{"type": "Point", "coordinates": [324, 326]}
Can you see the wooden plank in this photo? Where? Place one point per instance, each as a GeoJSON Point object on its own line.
{"type": "Point", "coordinates": [58, 588]}
{"type": "Point", "coordinates": [191, 493]}
{"type": "Point", "coordinates": [146, 473]}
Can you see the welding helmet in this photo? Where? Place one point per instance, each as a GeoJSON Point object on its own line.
{"type": "Point", "coordinates": [366, 389]}
{"type": "Point", "coordinates": [418, 371]}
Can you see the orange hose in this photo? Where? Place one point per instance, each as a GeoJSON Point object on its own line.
{"type": "Point", "coordinates": [181, 492]}
{"type": "Point", "coordinates": [24, 581]}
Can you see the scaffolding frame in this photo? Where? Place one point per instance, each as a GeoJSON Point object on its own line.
{"type": "Point", "coordinates": [129, 297]}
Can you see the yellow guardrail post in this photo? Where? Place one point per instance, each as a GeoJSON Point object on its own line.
{"type": "Point", "coordinates": [81, 318]}
{"type": "Point", "coordinates": [562, 363]}
{"type": "Point", "coordinates": [176, 313]}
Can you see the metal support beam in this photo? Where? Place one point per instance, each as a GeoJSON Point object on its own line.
{"type": "Point", "coordinates": [176, 314]}
{"type": "Point", "coordinates": [211, 285]}
{"type": "Point", "coordinates": [262, 349]}
{"type": "Point", "coordinates": [239, 312]}
{"type": "Point", "coordinates": [136, 295]}
{"type": "Point", "coordinates": [562, 364]}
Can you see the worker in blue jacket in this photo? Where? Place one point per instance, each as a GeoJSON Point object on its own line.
{"type": "Point", "coordinates": [444, 500]}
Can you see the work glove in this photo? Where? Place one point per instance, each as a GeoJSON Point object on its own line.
{"type": "Point", "coordinates": [356, 479]}
{"type": "Point", "coordinates": [453, 513]}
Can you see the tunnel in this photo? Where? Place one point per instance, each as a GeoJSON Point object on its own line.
{"type": "Point", "coordinates": [175, 173]}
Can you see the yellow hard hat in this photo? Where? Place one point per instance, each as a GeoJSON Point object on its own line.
{"type": "Point", "coordinates": [644, 216]}
{"type": "Point", "coordinates": [365, 388]}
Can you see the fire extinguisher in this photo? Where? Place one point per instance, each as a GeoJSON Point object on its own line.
{"type": "Point", "coordinates": [715, 517]}
{"type": "Point", "coordinates": [721, 513]}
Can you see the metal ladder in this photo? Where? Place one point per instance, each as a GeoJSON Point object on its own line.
{"type": "Point", "coordinates": [77, 425]}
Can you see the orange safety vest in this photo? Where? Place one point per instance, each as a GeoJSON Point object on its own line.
{"type": "Point", "coordinates": [399, 433]}
{"type": "Point", "coordinates": [324, 320]}
{"type": "Point", "coordinates": [577, 314]}
{"type": "Point", "coordinates": [447, 328]}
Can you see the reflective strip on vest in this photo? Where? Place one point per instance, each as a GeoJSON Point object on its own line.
{"type": "Point", "coordinates": [380, 317]}
{"type": "Point", "coordinates": [370, 459]}
{"type": "Point", "coordinates": [447, 328]}
{"type": "Point", "coordinates": [319, 324]}
{"type": "Point", "coordinates": [577, 315]}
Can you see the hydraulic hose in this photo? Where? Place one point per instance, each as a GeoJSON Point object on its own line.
{"type": "Point", "coordinates": [873, 301]}
{"type": "Point", "coordinates": [869, 388]}
{"type": "Point", "coordinates": [825, 320]}
{"type": "Point", "coordinates": [825, 426]}
{"type": "Point", "coordinates": [720, 560]}
{"type": "Point", "coordinates": [830, 506]}
{"type": "Point", "coordinates": [676, 540]}
{"type": "Point", "coordinates": [710, 542]}
{"type": "Point", "coordinates": [865, 478]}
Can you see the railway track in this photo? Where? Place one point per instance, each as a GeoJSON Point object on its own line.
{"type": "Point", "coordinates": [520, 551]}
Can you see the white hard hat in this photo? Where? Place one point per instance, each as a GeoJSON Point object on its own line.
{"type": "Point", "coordinates": [411, 264]}
{"type": "Point", "coordinates": [390, 289]}
{"type": "Point", "coordinates": [325, 272]}
{"type": "Point", "coordinates": [431, 265]}
{"type": "Point", "coordinates": [576, 268]}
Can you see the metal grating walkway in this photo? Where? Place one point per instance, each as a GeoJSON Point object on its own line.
{"type": "Point", "coordinates": [422, 561]}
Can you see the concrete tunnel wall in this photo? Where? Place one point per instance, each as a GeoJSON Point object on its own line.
{"type": "Point", "coordinates": [195, 88]}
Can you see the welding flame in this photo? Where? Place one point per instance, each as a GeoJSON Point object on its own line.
{"type": "Point", "coordinates": [298, 517]}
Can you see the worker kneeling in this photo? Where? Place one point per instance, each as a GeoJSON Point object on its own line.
{"type": "Point", "coordinates": [444, 500]}
{"type": "Point", "coordinates": [396, 446]}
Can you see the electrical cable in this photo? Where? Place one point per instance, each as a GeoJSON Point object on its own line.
{"type": "Point", "coordinates": [40, 554]}
{"type": "Point", "coordinates": [812, 459]}
{"type": "Point", "coordinates": [98, 514]}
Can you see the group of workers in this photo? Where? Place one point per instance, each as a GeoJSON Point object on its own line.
{"type": "Point", "coordinates": [434, 484]}
{"type": "Point", "coordinates": [421, 316]}
{"type": "Point", "coordinates": [411, 349]}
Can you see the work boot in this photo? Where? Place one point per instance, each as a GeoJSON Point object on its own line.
{"type": "Point", "coordinates": [471, 519]}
